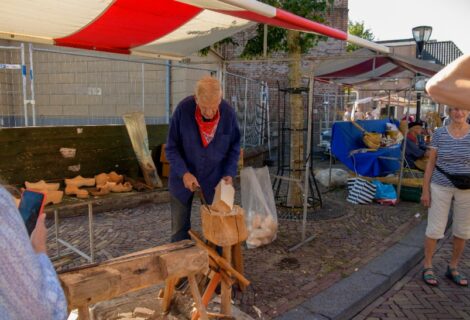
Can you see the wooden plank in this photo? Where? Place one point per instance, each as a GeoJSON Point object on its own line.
{"type": "Point", "coordinates": [201, 309]}
{"type": "Point", "coordinates": [226, 296]}
{"type": "Point", "coordinates": [168, 294]}
{"type": "Point", "coordinates": [208, 293]}
{"type": "Point", "coordinates": [83, 313]}
{"type": "Point", "coordinates": [125, 274]}
{"type": "Point", "coordinates": [237, 257]}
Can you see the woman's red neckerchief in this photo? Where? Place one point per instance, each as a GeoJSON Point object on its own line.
{"type": "Point", "coordinates": [207, 129]}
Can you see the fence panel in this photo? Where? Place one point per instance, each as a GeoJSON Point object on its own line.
{"type": "Point", "coordinates": [12, 86]}
{"type": "Point", "coordinates": [81, 89]}
{"type": "Point", "coordinates": [250, 98]}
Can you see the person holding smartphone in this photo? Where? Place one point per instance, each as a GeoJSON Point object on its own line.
{"type": "Point", "coordinates": [29, 287]}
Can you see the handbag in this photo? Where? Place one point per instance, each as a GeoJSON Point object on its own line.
{"type": "Point", "coordinates": [460, 181]}
{"type": "Point", "coordinates": [360, 191]}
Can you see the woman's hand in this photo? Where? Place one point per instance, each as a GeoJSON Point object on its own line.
{"type": "Point", "coordinates": [39, 235]}
{"type": "Point", "coordinates": [426, 198]}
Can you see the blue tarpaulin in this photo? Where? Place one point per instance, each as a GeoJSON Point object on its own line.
{"type": "Point", "coordinates": [346, 138]}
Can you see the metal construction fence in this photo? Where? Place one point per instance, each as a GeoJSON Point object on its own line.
{"type": "Point", "coordinates": [45, 86]}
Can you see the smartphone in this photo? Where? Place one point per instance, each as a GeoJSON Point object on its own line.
{"type": "Point", "coordinates": [31, 206]}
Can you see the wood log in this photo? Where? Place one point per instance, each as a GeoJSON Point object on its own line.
{"type": "Point", "coordinates": [224, 229]}
{"type": "Point", "coordinates": [174, 264]}
{"type": "Point", "coordinates": [130, 273]}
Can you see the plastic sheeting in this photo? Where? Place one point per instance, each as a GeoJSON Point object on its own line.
{"type": "Point", "coordinates": [348, 147]}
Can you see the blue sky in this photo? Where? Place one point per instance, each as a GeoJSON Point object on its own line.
{"type": "Point", "coordinates": [394, 19]}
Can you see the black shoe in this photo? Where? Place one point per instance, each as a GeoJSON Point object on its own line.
{"type": "Point", "coordinates": [181, 284]}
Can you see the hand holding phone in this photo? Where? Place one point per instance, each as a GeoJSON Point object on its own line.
{"type": "Point", "coordinates": [31, 206]}
{"type": "Point", "coordinates": [39, 235]}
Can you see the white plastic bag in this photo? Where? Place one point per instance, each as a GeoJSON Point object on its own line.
{"type": "Point", "coordinates": [260, 208]}
{"type": "Point", "coordinates": [338, 177]}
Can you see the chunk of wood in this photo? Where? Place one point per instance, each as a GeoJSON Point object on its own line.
{"type": "Point", "coordinates": [224, 229]}
{"type": "Point", "coordinates": [183, 262]}
{"type": "Point", "coordinates": [143, 312]}
{"type": "Point", "coordinates": [224, 197]}
{"type": "Point", "coordinates": [130, 273]}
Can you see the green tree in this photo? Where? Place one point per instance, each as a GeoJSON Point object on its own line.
{"type": "Point", "coordinates": [294, 43]}
{"type": "Point", "coordinates": [358, 29]}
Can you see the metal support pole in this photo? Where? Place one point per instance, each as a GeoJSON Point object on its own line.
{"type": "Point", "coordinates": [403, 150]}
{"type": "Point", "coordinates": [246, 110]}
{"type": "Point", "coordinates": [388, 106]}
{"type": "Point", "coordinates": [265, 41]}
{"type": "Point", "coordinates": [90, 229]}
{"type": "Point", "coordinates": [224, 78]}
{"type": "Point", "coordinates": [23, 73]}
{"type": "Point", "coordinates": [56, 226]}
{"type": "Point", "coordinates": [307, 165]}
{"type": "Point", "coordinates": [268, 119]}
{"type": "Point", "coordinates": [143, 87]}
{"type": "Point", "coordinates": [418, 106]}
{"type": "Point", "coordinates": [31, 78]}
{"type": "Point", "coordinates": [168, 92]}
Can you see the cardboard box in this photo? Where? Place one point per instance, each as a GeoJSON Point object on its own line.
{"type": "Point", "coordinates": [163, 158]}
{"type": "Point", "coordinates": [165, 170]}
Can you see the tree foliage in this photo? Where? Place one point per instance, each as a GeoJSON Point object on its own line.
{"type": "Point", "coordinates": [277, 37]}
{"type": "Point", "coordinates": [205, 51]}
{"type": "Point", "coordinates": [358, 29]}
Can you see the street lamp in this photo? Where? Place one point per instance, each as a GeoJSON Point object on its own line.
{"type": "Point", "coordinates": [421, 34]}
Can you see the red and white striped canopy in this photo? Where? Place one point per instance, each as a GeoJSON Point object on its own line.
{"type": "Point", "coordinates": [363, 66]}
{"type": "Point", "coordinates": [155, 28]}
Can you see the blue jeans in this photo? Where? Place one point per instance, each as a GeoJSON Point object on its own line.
{"type": "Point", "coordinates": [180, 219]}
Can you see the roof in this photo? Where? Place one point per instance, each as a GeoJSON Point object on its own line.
{"type": "Point", "coordinates": [364, 66]}
{"type": "Point", "coordinates": [442, 52]}
{"type": "Point", "coordinates": [156, 28]}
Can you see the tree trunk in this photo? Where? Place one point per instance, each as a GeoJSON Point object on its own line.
{"type": "Point", "coordinates": [294, 194]}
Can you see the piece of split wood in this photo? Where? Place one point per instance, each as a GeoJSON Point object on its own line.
{"type": "Point", "coordinates": [224, 197]}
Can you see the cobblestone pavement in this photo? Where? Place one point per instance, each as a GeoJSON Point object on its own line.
{"type": "Point", "coordinates": [280, 279]}
{"type": "Point", "coordinates": [410, 298]}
